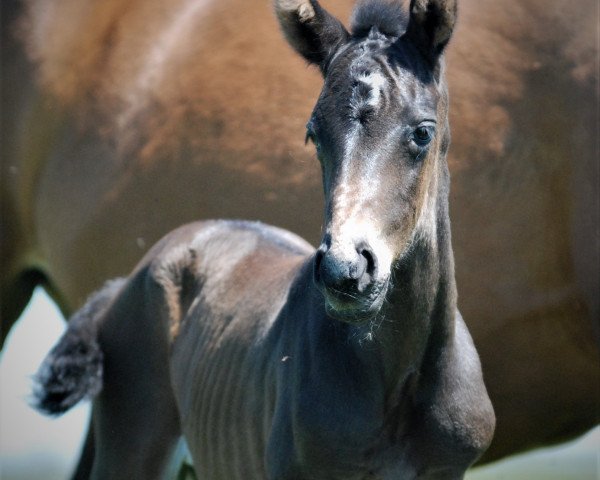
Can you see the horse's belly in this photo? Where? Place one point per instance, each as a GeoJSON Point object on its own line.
{"type": "Point", "coordinates": [224, 406]}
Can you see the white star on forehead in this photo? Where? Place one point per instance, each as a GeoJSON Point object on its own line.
{"type": "Point", "coordinates": [375, 81]}
{"type": "Point", "coordinates": [368, 83]}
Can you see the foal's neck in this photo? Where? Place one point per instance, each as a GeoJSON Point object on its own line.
{"type": "Point", "coordinates": [418, 317]}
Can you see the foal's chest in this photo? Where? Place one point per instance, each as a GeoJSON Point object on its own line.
{"type": "Point", "coordinates": [333, 425]}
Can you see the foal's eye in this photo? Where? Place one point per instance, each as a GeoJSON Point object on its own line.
{"type": "Point", "coordinates": [310, 134]}
{"type": "Point", "coordinates": [423, 134]}
{"type": "Point", "coordinates": [312, 137]}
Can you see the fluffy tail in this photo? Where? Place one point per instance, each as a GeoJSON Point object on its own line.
{"type": "Point", "coordinates": [73, 368]}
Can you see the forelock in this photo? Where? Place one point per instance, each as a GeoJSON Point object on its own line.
{"type": "Point", "coordinates": [386, 16]}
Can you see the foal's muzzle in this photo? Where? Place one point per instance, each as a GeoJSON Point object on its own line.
{"type": "Point", "coordinates": [348, 280]}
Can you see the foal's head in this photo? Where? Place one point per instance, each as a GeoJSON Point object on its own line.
{"type": "Point", "coordinates": [380, 128]}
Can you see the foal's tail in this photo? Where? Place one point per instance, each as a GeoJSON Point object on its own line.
{"type": "Point", "coordinates": [73, 368]}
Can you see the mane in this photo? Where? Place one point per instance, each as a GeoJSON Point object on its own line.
{"type": "Point", "coordinates": [387, 16]}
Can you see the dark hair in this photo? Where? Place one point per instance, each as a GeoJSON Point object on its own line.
{"type": "Point", "coordinates": [388, 17]}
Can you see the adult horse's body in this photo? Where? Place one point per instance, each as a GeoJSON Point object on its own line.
{"type": "Point", "coordinates": [129, 118]}
{"type": "Point", "coordinates": [278, 362]}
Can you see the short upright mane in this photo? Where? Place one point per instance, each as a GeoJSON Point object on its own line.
{"type": "Point", "coordinates": [388, 17]}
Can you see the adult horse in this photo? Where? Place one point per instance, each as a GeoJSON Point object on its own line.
{"type": "Point", "coordinates": [280, 362]}
{"type": "Point", "coordinates": [130, 118]}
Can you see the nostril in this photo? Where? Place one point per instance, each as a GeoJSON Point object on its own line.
{"type": "Point", "coordinates": [317, 265]}
{"type": "Point", "coordinates": [368, 267]}
{"type": "Point", "coordinates": [371, 261]}
{"type": "Point", "coordinates": [360, 267]}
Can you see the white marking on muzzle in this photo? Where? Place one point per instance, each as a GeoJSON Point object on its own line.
{"type": "Point", "coordinates": [352, 233]}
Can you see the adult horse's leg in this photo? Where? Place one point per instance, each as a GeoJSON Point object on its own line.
{"type": "Point", "coordinates": [19, 275]}
{"type": "Point", "coordinates": [26, 130]}
{"type": "Point", "coordinates": [15, 285]}
{"type": "Point", "coordinates": [21, 269]}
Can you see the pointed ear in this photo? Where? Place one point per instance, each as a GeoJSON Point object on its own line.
{"type": "Point", "coordinates": [430, 26]}
{"type": "Point", "coordinates": [311, 30]}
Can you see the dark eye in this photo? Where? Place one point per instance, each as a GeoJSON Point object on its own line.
{"type": "Point", "coordinates": [310, 133]}
{"type": "Point", "coordinates": [423, 135]}
{"type": "Point", "coordinates": [311, 136]}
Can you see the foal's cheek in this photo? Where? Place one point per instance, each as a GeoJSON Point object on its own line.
{"type": "Point", "coordinates": [402, 221]}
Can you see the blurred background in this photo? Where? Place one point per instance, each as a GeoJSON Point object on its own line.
{"type": "Point", "coordinates": [35, 447]}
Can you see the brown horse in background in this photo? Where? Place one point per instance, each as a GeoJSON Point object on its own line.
{"type": "Point", "coordinates": [122, 120]}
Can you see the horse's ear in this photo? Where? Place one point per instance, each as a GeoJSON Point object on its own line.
{"type": "Point", "coordinates": [430, 25]}
{"type": "Point", "coordinates": [312, 31]}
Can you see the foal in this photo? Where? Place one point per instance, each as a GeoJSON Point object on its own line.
{"type": "Point", "coordinates": [278, 362]}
